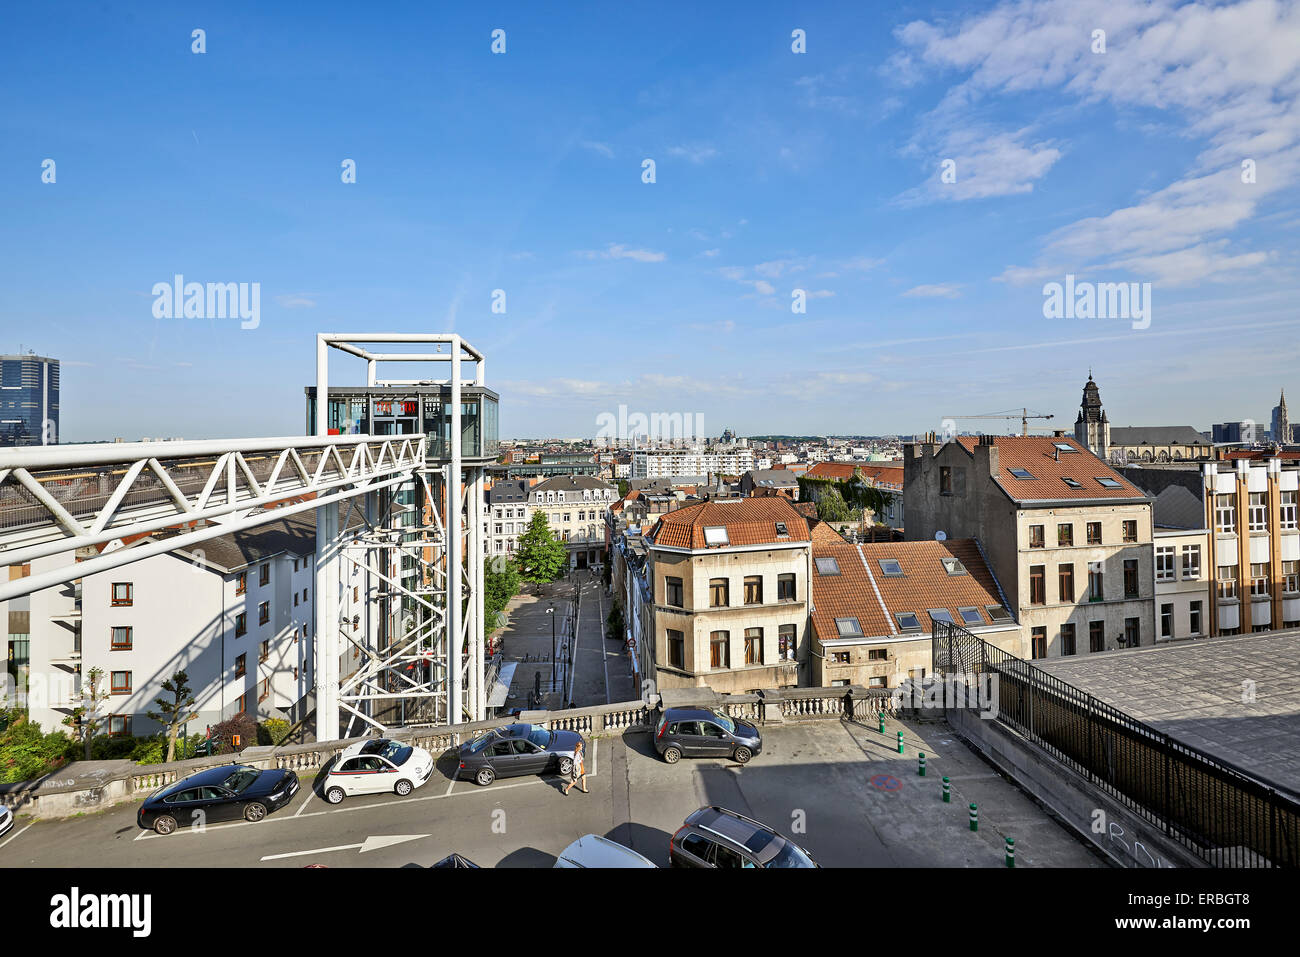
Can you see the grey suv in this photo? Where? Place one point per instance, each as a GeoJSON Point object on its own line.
{"type": "Point", "coordinates": [700, 733]}
{"type": "Point", "coordinates": [716, 837]}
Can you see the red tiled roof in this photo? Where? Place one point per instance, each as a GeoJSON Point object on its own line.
{"type": "Point", "coordinates": [925, 584]}
{"type": "Point", "coordinates": [749, 521]}
{"type": "Point", "coordinates": [843, 472]}
{"type": "Point", "coordinates": [1036, 454]}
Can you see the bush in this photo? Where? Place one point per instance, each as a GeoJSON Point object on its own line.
{"type": "Point", "coordinates": [151, 750]}
{"type": "Point", "coordinates": [26, 752]}
{"type": "Point", "coordinates": [273, 731]}
{"type": "Point", "coordinates": [111, 749]}
{"type": "Point", "coordinates": [223, 732]}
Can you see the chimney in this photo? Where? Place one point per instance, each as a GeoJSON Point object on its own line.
{"type": "Point", "coordinates": [986, 456]}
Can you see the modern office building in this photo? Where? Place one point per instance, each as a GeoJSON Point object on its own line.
{"type": "Point", "coordinates": [29, 400]}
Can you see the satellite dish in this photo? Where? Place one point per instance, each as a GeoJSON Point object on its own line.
{"type": "Point", "coordinates": [941, 536]}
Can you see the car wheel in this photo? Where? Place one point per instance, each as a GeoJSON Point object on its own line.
{"type": "Point", "coordinates": [165, 824]}
{"type": "Point", "coordinates": [254, 812]}
{"type": "Point", "coordinates": [334, 795]}
{"type": "Point", "coordinates": [672, 754]}
{"type": "Point", "coordinates": [484, 777]}
{"type": "Point", "coordinates": [566, 767]}
{"type": "Point", "coordinates": [743, 754]}
{"type": "Point", "coordinates": [403, 788]}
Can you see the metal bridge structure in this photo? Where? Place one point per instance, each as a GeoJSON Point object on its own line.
{"type": "Point", "coordinates": [402, 511]}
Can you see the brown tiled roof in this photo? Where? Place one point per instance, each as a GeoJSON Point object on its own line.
{"type": "Point", "coordinates": [925, 584]}
{"type": "Point", "coordinates": [843, 472]}
{"type": "Point", "coordinates": [1036, 454]}
{"type": "Point", "coordinates": [749, 521]}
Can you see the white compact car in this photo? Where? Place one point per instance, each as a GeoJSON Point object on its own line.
{"type": "Point", "coordinates": [377, 766]}
{"type": "Point", "coordinates": [6, 819]}
{"type": "Point", "coordinates": [591, 850]}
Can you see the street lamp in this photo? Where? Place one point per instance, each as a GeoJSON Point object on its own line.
{"type": "Point", "coordinates": [551, 611]}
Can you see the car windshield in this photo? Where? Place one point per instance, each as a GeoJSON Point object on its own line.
{"type": "Point", "coordinates": [790, 856]}
{"type": "Point", "coordinates": [540, 737]}
{"type": "Point", "coordinates": [727, 724]}
{"type": "Point", "coordinates": [395, 752]}
{"type": "Point", "coordinates": [241, 779]}
{"type": "Point", "coordinates": [479, 743]}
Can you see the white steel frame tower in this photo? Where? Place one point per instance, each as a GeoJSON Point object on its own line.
{"type": "Point", "coordinates": [429, 622]}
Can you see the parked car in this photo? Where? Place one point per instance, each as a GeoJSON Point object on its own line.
{"type": "Point", "coordinates": [701, 733]}
{"type": "Point", "coordinates": [214, 795]}
{"type": "Point", "coordinates": [6, 819]}
{"type": "Point", "coordinates": [517, 749]}
{"type": "Point", "coordinates": [716, 837]}
{"type": "Point", "coordinates": [377, 766]}
{"type": "Point", "coordinates": [592, 850]}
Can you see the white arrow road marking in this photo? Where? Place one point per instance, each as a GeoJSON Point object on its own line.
{"type": "Point", "coordinates": [370, 844]}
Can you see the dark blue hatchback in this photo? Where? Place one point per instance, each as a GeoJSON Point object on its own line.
{"type": "Point", "coordinates": [227, 793]}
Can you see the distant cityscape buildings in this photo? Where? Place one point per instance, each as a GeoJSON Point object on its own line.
{"type": "Point", "coordinates": [29, 400]}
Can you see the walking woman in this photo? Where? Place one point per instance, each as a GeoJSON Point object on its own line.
{"type": "Point", "coordinates": [579, 770]}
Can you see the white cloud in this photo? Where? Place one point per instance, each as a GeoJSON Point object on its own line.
{"type": "Point", "coordinates": [619, 251]}
{"type": "Point", "coordinates": [603, 149]}
{"type": "Point", "coordinates": [297, 301]}
{"type": "Point", "coordinates": [764, 287]}
{"type": "Point", "coordinates": [695, 154]}
{"type": "Point", "coordinates": [938, 291]}
{"type": "Point", "coordinates": [710, 253]}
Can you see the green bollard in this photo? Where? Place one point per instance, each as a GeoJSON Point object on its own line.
{"type": "Point", "coordinates": [882, 722]}
{"type": "Point", "coordinates": [974, 817]}
{"type": "Point", "coordinates": [920, 767]}
{"type": "Point", "coordinates": [900, 742]}
{"type": "Point", "coordinates": [1011, 852]}
{"type": "Point", "coordinates": [947, 792]}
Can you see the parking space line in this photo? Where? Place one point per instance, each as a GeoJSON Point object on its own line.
{"type": "Point", "coordinates": [450, 784]}
{"type": "Point", "coordinates": [14, 836]}
{"type": "Point", "coordinates": [310, 795]}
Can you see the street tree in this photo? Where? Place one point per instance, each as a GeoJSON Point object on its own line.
{"type": "Point", "coordinates": [541, 556]}
{"type": "Point", "coordinates": [87, 717]}
{"type": "Point", "coordinates": [174, 712]}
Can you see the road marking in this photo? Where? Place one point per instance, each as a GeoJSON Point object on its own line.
{"type": "Point", "coordinates": [595, 751]}
{"type": "Point", "coordinates": [15, 835]}
{"type": "Point", "coordinates": [370, 844]}
{"type": "Point", "coordinates": [450, 784]}
{"type": "Point", "coordinates": [604, 655]}
{"type": "Point", "coordinates": [310, 793]}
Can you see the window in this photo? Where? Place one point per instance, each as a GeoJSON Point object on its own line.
{"type": "Point", "coordinates": [673, 592]}
{"type": "Point", "coordinates": [1021, 473]}
{"type": "Point", "coordinates": [295, 599]}
{"type": "Point", "coordinates": [890, 568]}
{"type": "Point", "coordinates": [241, 704]}
{"type": "Point", "coordinates": [716, 535]}
{"type": "Point", "coordinates": [1132, 632]}
{"type": "Point", "coordinates": [877, 654]}
{"type": "Point", "coordinates": [1291, 576]}
{"type": "Point", "coordinates": [753, 589]}
{"type": "Point", "coordinates": [241, 624]}
{"type": "Point", "coordinates": [1073, 483]}
{"type": "Point", "coordinates": [1065, 535]}
{"type": "Point", "coordinates": [953, 566]}
{"type": "Point", "coordinates": [264, 575]}
{"type": "Point", "coordinates": [1065, 581]}
{"type": "Point", "coordinates": [753, 646]}
{"type": "Point", "coordinates": [848, 627]}
{"type": "Point", "coordinates": [1287, 514]}
{"type": "Point", "coordinates": [1095, 587]}
{"type": "Point", "coordinates": [1106, 482]}
{"type": "Point", "coordinates": [1165, 563]}
{"type": "Point", "coordinates": [876, 683]}
{"type": "Point", "coordinates": [1166, 621]}
{"type": "Point", "coordinates": [119, 726]}
{"type": "Point", "coordinates": [295, 566]}
{"type": "Point", "coordinates": [945, 480]}
{"type": "Point", "coordinates": [827, 566]}
{"type": "Point", "coordinates": [907, 621]}
{"type": "Point", "coordinates": [1225, 513]}
{"type": "Point", "coordinates": [997, 613]}
{"type": "Point", "coordinates": [970, 616]}
{"type": "Point", "coordinates": [266, 689]}
{"type": "Point", "coordinates": [241, 666]}
{"type": "Point", "coordinates": [676, 649]}
{"type": "Point", "coordinates": [123, 593]}
{"type": "Point", "coordinates": [241, 583]}
{"type": "Point", "coordinates": [264, 651]}
{"type": "Point", "coordinates": [304, 594]}
{"type": "Point", "coordinates": [1227, 581]}
{"type": "Point", "coordinates": [120, 682]}
{"type": "Point", "coordinates": [1037, 585]}
{"type": "Point", "coordinates": [1036, 539]}
{"type": "Point", "coordinates": [1257, 513]}
{"type": "Point", "coordinates": [1067, 638]}
{"type": "Point", "coordinates": [718, 597]}
{"type": "Point", "coordinates": [1096, 636]}
{"type": "Point", "coordinates": [1094, 533]}
{"type": "Point", "coordinates": [1064, 447]}
{"type": "Point", "coordinates": [785, 588]}
{"type": "Point", "coordinates": [121, 639]}
{"type": "Point", "coordinates": [840, 657]}
{"type": "Point", "coordinates": [720, 649]}
{"type": "Point", "coordinates": [1195, 623]}
{"type": "Point", "coordinates": [1259, 578]}
{"type": "Point", "coordinates": [1191, 561]}
{"type": "Point", "coordinates": [1038, 642]}
{"type": "Point", "coordinates": [1130, 578]}
{"type": "Point", "coordinates": [940, 614]}
{"type": "Point", "coordinates": [781, 530]}
{"type": "Point", "coordinates": [264, 613]}
{"type": "Point", "coordinates": [1130, 531]}
{"type": "Point", "coordinates": [786, 641]}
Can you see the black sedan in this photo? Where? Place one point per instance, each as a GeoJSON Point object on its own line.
{"type": "Point", "coordinates": [517, 749]}
{"type": "Point", "coordinates": [215, 795]}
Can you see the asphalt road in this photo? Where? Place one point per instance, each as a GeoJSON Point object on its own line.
{"type": "Point", "coordinates": [812, 782]}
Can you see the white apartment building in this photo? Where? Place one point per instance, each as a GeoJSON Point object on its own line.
{"type": "Point", "coordinates": [508, 514]}
{"type": "Point", "coordinates": [575, 507]}
{"type": "Point", "coordinates": [1183, 582]}
{"type": "Point", "coordinates": [656, 463]}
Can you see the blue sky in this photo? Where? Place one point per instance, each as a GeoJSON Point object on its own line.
{"type": "Point", "coordinates": [775, 171]}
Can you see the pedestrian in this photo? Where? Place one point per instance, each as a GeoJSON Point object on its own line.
{"type": "Point", "coordinates": [848, 705]}
{"type": "Point", "coordinates": [579, 772]}
{"type": "Point", "coordinates": [761, 707]}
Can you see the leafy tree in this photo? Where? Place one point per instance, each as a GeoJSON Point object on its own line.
{"type": "Point", "coordinates": [175, 712]}
{"type": "Point", "coordinates": [623, 488]}
{"type": "Point", "coordinates": [224, 732]}
{"type": "Point", "coordinates": [87, 717]}
{"type": "Point", "coordinates": [831, 506]}
{"type": "Point", "coordinates": [541, 555]}
{"type": "Point", "coordinates": [500, 584]}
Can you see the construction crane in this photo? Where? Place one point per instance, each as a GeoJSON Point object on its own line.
{"type": "Point", "coordinates": [1024, 417]}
